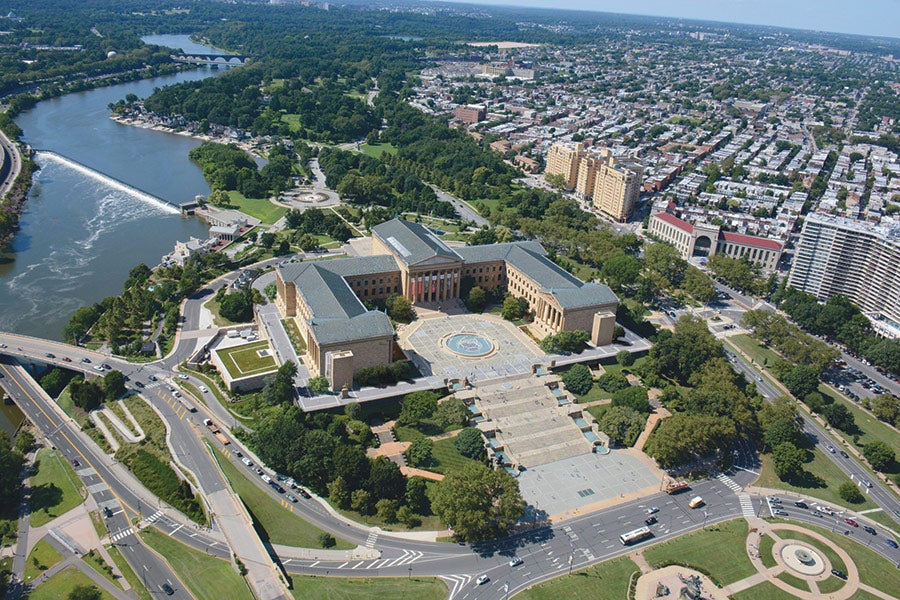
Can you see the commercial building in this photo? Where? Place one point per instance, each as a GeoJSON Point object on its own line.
{"type": "Point", "coordinates": [325, 298]}
{"type": "Point", "coordinates": [470, 113]}
{"type": "Point", "coordinates": [705, 240]}
{"type": "Point", "coordinates": [856, 259]}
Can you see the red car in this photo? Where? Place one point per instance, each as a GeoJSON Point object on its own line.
{"type": "Point", "coordinates": [851, 522]}
{"type": "Point", "coordinates": [67, 359]}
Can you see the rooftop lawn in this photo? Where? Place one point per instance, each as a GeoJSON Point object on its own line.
{"type": "Point", "coordinates": [244, 360]}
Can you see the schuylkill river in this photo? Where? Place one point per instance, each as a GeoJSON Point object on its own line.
{"type": "Point", "coordinates": [82, 231]}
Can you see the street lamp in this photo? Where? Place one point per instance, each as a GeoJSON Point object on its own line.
{"type": "Point", "coordinates": [410, 572]}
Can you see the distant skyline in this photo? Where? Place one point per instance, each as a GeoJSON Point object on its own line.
{"type": "Point", "coordinates": [871, 17]}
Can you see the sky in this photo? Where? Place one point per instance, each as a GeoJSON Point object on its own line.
{"type": "Point", "coordinates": [867, 17]}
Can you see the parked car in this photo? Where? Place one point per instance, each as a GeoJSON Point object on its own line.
{"type": "Point", "coordinates": [304, 493]}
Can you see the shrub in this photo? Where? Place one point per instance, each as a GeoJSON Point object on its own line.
{"type": "Point", "coordinates": [326, 540]}
{"type": "Point", "coordinates": [613, 382]}
{"type": "Point", "coordinates": [850, 493]}
{"type": "Point", "coordinates": [469, 443]}
{"type": "Point", "coordinates": [578, 379]}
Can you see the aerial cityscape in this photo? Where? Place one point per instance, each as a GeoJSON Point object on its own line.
{"type": "Point", "coordinates": [438, 300]}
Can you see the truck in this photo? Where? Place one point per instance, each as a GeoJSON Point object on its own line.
{"type": "Point", "coordinates": [212, 426]}
{"type": "Point", "coordinates": [222, 438]}
{"type": "Point", "coordinates": [674, 487]}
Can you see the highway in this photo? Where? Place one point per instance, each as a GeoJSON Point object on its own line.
{"type": "Point", "coordinates": [10, 165]}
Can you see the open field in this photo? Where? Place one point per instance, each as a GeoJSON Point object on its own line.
{"type": "Point", "coordinates": [369, 588]}
{"type": "Point", "coordinates": [42, 557]}
{"type": "Point", "coordinates": [376, 150]}
{"type": "Point", "coordinates": [725, 541]}
{"type": "Point", "coordinates": [608, 579]}
{"type": "Point", "coordinates": [245, 359]}
{"type": "Point", "coordinates": [275, 522]}
{"type": "Point", "coordinates": [55, 489]}
{"type": "Point", "coordinates": [259, 208]}
{"type": "Point", "coordinates": [207, 577]}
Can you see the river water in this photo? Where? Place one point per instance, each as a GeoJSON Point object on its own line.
{"type": "Point", "coordinates": [94, 210]}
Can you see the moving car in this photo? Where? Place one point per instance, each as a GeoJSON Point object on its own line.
{"type": "Point", "coordinates": [650, 521]}
{"type": "Point", "coordinates": [98, 368]}
{"type": "Point", "coordinates": [204, 389]}
{"type": "Point", "coordinates": [515, 562]}
{"type": "Point", "coordinates": [800, 504]}
{"type": "Point", "coordinates": [482, 579]}
{"type": "Point", "coordinates": [871, 530]}
{"type": "Point", "coordinates": [844, 454]}
{"type": "Point", "coordinates": [851, 522]}
{"type": "Point", "coordinates": [696, 502]}
{"type": "Point", "coordinates": [291, 497]}
{"type": "Point", "coordinates": [304, 493]}
{"type": "Point", "coordinates": [167, 589]}
{"type": "Point", "coordinates": [891, 543]}
{"type": "Point", "coordinates": [107, 513]}
{"type": "Point", "coordinates": [652, 510]}
{"type": "Point", "coordinates": [839, 574]}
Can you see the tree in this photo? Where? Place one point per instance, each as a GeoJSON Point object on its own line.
{"type": "Point", "coordinates": [326, 540]}
{"type": "Point", "coordinates": [838, 416]}
{"type": "Point", "coordinates": [565, 342]}
{"type": "Point", "coordinates": [634, 397]}
{"type": "Point", "coordinates": [510, 310]}
{"type": "Point", "coordinates": [361, 502]}
{"type": "Point", "coordinates": [385, 479]}
{"type": "Point", "coordinates": [319, 385]}
{"type": "Point", "coordinates": [113, 385]}
{"type": "Point", "coordinates": [622, 424]}
{"type": "Point", "coordinates": [386, 510]}
{"type": "Point", "coordinates": [476, 300]}
{"type": "Point", "coordinates": [339, 493]}
{"type": "Point", "coordinates": [886, 407]}
{"type": "Point", "coordinates": [620, 270]}
{"type": "Point", "coordinates": [613, 382]}
{"type": "Point", "coordinates": [354, 411]}
{"type": "Point", "coordinates": [698, 285]}
{"type": "Point", "coordinates": [801, 380]}
{"type": "Point", "coordinates": [478, 503]}
{"type": "Point", "coordinates": [281, 389]}
{"type": "Point", "coordinates": [788, 460]}
{"type": "Point", "coordinates": [578, 379]}
{"type": "Point", "coordinates": [451, 412]}
{"type": "Point", "coordinates": [850, 493]}
{"type": "Point", "coordinates": [469, 443]}
{"type": "Point", "coordinates": [880, 455]}
{"type": "Point", "coordinates": [351, 465]}
{"type": "Point", "coordinates": [781, 431]}
{"type": "Point", "coordinates": [625, 358]}
{"type": "Point", "coordinates": [419, 453]}
{"type": "Point", "coordinates": [684, 351]}
{"type": "Point", "coordinates": [417, 406]}
{"type": "Point", "coordinates": [416, 497]}
{"type": "Point", "coordinates": [85, 592]}
{"type": "Point", "coordinates": [401, 310]}
{"type": "Point", "coordinates": [665, 263]}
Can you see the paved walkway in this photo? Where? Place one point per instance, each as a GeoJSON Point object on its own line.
{"type": "Point", "coordinates": [658, 415]}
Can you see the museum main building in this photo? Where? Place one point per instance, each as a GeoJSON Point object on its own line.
{"type": "Point", "coordinates": [342, 336]}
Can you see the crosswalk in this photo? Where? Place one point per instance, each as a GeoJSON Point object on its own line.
{"type": "Point", "coordinates": [729, 482]}
{"type": "Point", "coordinates": [121, 534]}
{"type": "Point", "coordinates": [457, 583]}
{"type": "Point", "coordinates": [370, 541]}
{"type": "Point", "coordinates": [746, 505]}
{"type": "Point", "coordinates": [154, 516]}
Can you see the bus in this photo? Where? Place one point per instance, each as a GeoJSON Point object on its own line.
{"type": "Point", "coordinates": [635, 536]}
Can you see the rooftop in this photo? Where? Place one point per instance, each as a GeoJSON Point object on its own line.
{"type": "Point", "coordinates": [411, 242]}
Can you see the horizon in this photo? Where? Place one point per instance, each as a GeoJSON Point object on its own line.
{"type": "Point", "coordinates": [875, 18]}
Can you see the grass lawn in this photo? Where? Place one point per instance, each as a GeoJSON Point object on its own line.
{"type": "Point", "coordinates": [213, 306]}
{"type": "Point", "coordinates": [763, 591]}
{"type": "Point", "coordinates": [765, 551]}
{"type": "Point", "coordinates": [369, 588]}
{"type": "Point", "coordinates": [882, 517]}
{"type": "Point", "coordinates": [259, 208]}
{"type": "Point", "coordinates": [207, 577]}
{"type": "Point", "coordinates": [725, 541]}
{"type": "Point", "coordinates": [595, 393]}
{"type": "Point", "coordinates": [606, 580]}
{"type": "Point", "coordinates": [245, 360]}
{"type": "Point", "coordinates": [598, 411]}
{"type": "Point", "coordinates": [275, 522]}
{"type": "Point", "coordinates": [97, 563]}
{"type": "Point", "coordinates": [869, 428]}
{"type": "Point", "coordinates": [750, 347]}
{"type": "Point", "coordinates": [130, 575]}
{"type": "Point", "coordinates": [44, 555]}
{"type": "Point", "coordinates": [55, 489]}
{"type": "Point", "coordinates": [293, 122]}
{"type": "Point", "coordinates": [832, 584]}
{"type": "Point", "coordinates": [615, 367]}
{"type": "Point", "coordinates": [836, 561]}
{"type": "Point", "coordinates": [821, 466]}
{"type": "Point", "coordinates": [793, 581]}
{"type": "Point", "coordinates": [61, 584]}
{"type": "Point", "coordinates": [446, 456]}
{"type": "Point", "coordinates": [376, 150]}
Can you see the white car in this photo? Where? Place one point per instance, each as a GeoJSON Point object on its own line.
{"type": "Point", "coordinates": [182, 376]}
{"type": "Point", "coordinates": [98, 368]}
{"type": "Point", "coordinates": [482, 580]}
{"type": "Point", "coordinates": [652, 510]}
{"type": "Point", "coordinates": [515, 562]}
{"type": "Point", "coordinates": [203, 389]}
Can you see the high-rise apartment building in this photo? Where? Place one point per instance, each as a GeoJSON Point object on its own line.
{"type": "Point", "coordinates": [617, 187]}
{"type": "Point", "coordinates": [564, 159]}
{"type": "Point", "coordinates": [859, 260]}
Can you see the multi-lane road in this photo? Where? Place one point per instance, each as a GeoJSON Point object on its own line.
{"type": "Point", "coordinates": [545, 551]}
